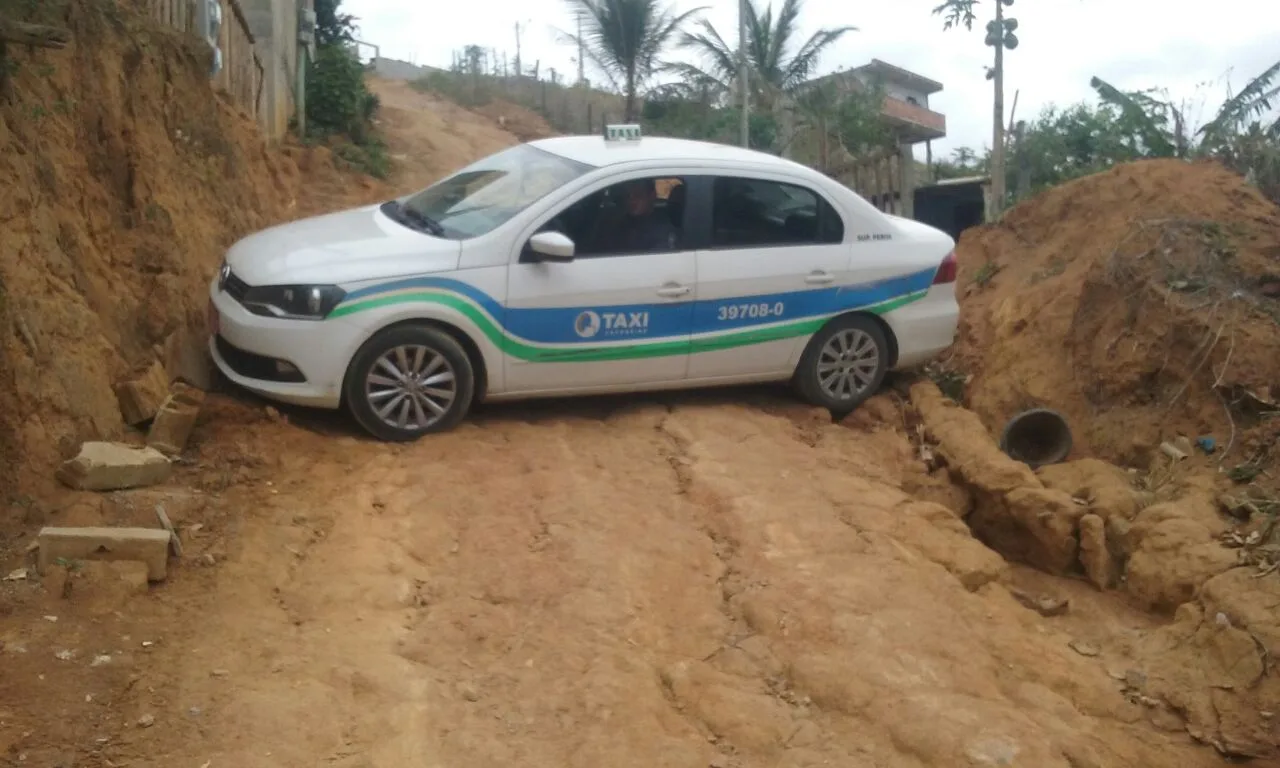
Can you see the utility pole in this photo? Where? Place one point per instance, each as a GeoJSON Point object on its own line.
{"type": "Point", "coordinates": [997, 130]}
{"type": "Point", "coordinates": [582, 72]}
{"type": "Point", "coordinates": [1000, 35]}
{"type": "Point", "coordinates": [742, 71]}
{"type": "Point", "coordinates": [519, 72]}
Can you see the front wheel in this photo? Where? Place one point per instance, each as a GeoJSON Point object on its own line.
{"type": "Point", "coordinates": [844, 364]}
{"type": "Point", "coordinates": [409, 381]}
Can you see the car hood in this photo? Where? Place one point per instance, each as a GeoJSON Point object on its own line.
{"type": "Point", "coordinates": [339, 248]}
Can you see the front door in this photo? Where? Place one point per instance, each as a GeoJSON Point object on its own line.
{"type": "Point", "coordinates": [774, 268]}
{"type": "Point", "coordinates": [620, 313]}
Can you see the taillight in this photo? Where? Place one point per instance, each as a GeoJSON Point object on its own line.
{"type": "Point", "coordinates": [946, 270]}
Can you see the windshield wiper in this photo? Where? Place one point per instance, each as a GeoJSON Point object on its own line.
{"type": "Point", "coordinates": [423, 220]}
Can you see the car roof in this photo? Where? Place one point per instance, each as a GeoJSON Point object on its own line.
{"type": "Point", "coordinates": [595, 151]}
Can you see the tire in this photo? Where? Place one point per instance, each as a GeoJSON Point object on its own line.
{"type": "Point", "coordinates": [866, 371]}
{"type": "Point", "coordinates": [380, 403]}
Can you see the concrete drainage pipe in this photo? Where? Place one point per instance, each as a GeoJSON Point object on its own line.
{"type": "Point", "coordinates": [1037, 437]}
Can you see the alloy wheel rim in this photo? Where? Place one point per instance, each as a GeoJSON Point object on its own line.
{"type": "Point", "coordinates": [848, 363]}
{"type": "Point", "coordinates": [411, 387]}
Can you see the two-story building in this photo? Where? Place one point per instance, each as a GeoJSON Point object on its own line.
{"type": "Point", "coordinates": [886, 177]}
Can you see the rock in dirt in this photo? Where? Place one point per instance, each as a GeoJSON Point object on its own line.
{"type": "Point", "coordinates": [175, 420]}
{"type": "Point", "coordinates": [1174, 549]}
{"type": "Point", "coordinates": [1216, 673]}
{"type": "Point", "coordinates": [142, 393]}
{"type": "Point", "coordinates": [147, 545]}
{"type": "Point", "coordinates": [1106, 488]}
{"type": "Point", "coordinates": [114, 466]}
{"type": "Point", "coordinates": [1045, 605]}
{"type": "Point", "coordinates": [1094, 555]}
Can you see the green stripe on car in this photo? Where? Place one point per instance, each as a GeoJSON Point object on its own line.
{"type": "Point", "coordinates": [582, 354]}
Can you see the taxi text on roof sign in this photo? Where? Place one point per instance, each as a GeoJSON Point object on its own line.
{"type": "Point", "coordinates": [627, 132]}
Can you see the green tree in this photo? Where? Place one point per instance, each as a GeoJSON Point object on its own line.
{"type": "Point", "coordinates": [1001, 37]}
{"type": "Point", "coordinates": [845, 119]}
{"type": "Point", "coordinates": [332, 27]}
{"type": "Point", "coordinates": [338, 103]}
{"type": "Point", "coordinates": [687, 111]}
{"type": "Point", "coordinates": [773, 68]}
{"type": "Point", "coordinates": [625, 40]}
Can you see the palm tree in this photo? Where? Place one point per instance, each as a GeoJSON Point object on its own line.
{"type": "Point", "coordinates": [774, 70]}
{"type": "Point", "coordinates": [624, 39]}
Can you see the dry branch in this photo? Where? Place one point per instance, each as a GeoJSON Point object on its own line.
{"type": "Point", "coordinates": [38, 35]}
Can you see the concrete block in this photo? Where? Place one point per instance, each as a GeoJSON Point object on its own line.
{"type": "Point", "coordinates": [175, 420]}
{"type": "Point", "coordinates": [186, 358]}
{"type": "Point", "coordinates": [140, 395]}
{"type": "Point", "coordinates": [114, 466]}
{"type": "Point", "coordinates": [146, 545]}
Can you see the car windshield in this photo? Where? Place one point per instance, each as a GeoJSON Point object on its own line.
{"type": "Point", "coordinates": [487, 193]}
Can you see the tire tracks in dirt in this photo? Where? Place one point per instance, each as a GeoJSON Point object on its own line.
{"type": "Point", "coordinates": [689, 585]}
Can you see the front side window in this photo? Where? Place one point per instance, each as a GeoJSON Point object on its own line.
{"type": "Point", "coordinates": [757, 213]}
{"type": "Point", "coordinates": [636, 217]}
{"type": "Point", "coordinates": [486, 194]}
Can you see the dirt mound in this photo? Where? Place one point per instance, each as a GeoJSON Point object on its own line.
{"type": "Point", "coordinates": [1141, 302]}
{"type": "Point", "coordinates": [430, 136]}
{"type": "Point", "coordinates": [126, 181]}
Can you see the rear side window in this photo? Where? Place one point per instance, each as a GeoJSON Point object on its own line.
{"type": "Point", "coordinates": [757, 213]}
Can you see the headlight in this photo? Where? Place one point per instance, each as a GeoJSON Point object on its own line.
{"type": "Point", "coordinates": [295, 302]}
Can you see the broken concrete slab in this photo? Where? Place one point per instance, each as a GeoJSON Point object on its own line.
{"type": "Point", "coordinates": [186, 358]}
{"type": "Point", "coordinates": [146, 545]}
{"type": "Point", "coordinates": [175, 420]}
{"type": "Point", "coordinates": [174, 541]}
{"type": "Point", "coordinates": [142, 393]}
{"type": "Point", "coordinates": [114, 466]}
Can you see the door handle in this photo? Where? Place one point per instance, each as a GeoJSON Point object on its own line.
{"type": "Point", "coordinates": [819, 277]}
{"type": "Point", "coordinates": [672, 291]}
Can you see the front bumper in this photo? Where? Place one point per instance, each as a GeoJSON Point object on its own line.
{"type": "Point", "coordinates": [245, 347]}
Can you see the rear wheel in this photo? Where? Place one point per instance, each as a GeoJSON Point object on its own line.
{"type": "Point", "coordinates": [844, 364]}
{"type": "Point", "coordinates": [409, 381]}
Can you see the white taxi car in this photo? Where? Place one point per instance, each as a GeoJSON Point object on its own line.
{"type": "Point", "coordinates": [584, 264]}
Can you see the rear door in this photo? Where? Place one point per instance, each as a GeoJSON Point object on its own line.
{"type": "Point", "coordinates": [613, 317]}
{"type": "Point", "coordinates": [771, 273]}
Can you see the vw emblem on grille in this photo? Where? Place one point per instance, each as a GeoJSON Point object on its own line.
{"type": "Point", "coordinates": [223, 274]}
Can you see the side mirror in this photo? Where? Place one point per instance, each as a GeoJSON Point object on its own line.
{"type": "Point", "coordinates": [551, 246]}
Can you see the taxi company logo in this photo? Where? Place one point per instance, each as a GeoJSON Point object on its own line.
{"type": "Point", "coordinates": [590, 323]}
{"type": "Point", "coordinates": [587, 324]}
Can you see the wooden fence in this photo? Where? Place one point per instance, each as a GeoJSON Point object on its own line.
{"type": "Point", "coordinates": [878, 177]}
{"type": "Point", "coordinates": [242, 74]}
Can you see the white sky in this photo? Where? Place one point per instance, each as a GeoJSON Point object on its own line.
{"type": "Point", "coordinates": [1193, 48]}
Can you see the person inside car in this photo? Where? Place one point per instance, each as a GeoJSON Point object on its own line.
{"type": "Point", "coordinates": [643, 229]}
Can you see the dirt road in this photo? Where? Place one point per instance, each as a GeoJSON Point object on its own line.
{"type": "Point", "coordinates": [693, 581]}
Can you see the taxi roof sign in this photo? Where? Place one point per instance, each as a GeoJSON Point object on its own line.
{"type": "Point", "coordinates": [622, 132]}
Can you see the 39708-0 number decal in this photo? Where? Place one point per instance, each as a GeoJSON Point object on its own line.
{"type": "Point", "coordinates": [750, 310]}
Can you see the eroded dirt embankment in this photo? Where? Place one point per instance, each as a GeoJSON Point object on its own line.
{"type": "Point", "coordinates": [1170, 550]}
